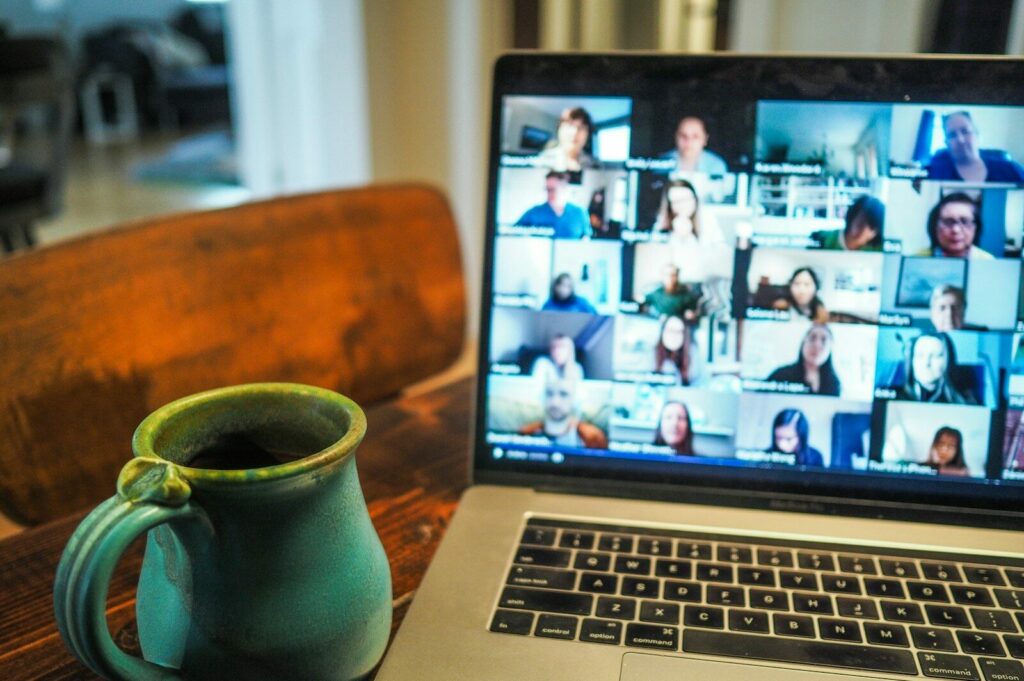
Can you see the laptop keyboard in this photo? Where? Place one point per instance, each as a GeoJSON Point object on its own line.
{"type": "Point", "coordinates": [901, 612]}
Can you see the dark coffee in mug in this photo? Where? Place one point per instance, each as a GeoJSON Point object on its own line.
{"type": "Point", "coordinates": [246, 449]}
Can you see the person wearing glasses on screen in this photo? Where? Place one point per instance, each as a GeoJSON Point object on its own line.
{"type": "Point", "coordinates": [569, 151]}
{"type": "Point", "coordinates": [930, 372]}
{"type": "Point", "coordinates": [963, 159]}
{"type": "Point", "coordinates": [675, 429]}
{"type": "Point", "coordinates": [813, 366]}
{"type": "Point", "coordinates": [954, 228]}
{"type": "Point", "coordinates": [562, 424]}
{"type": "Point", "coordinates": [865, 219]}
{"type": "Point", "coordinates": [946, 455]}
{"type": "Point", "coordinates": [567, 219]}
{"type": "Point", "coordinates": [791, 435]}
{"type": "Point", "coordinates": [947, 308]}
{"type": "Point", "coordinates": [564, 299]}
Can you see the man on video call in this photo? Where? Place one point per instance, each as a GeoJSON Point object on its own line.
{"type": "Point", "coordinates": [691, 153]}
{"type": "Point", "coordinates": [672, 298]}
{"type": "Point", "coordinates": [568, 220]}
{"type": "Point", "coordinates": [561, 423]}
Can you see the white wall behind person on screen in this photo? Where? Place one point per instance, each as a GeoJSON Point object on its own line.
{"type": "Point", "coordinates": [910, 429]}
{"type": "Point", "coordinates": [998, 128]}
{"type": "Point", "coordinates": [595, 268]}
{"type": "Point", "coordinates": [522, 267]}
{"type": "Point", "coordinates": [520, 189]}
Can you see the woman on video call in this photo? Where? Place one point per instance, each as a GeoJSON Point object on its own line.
{"type": "Point", "coordinates": [801, 297]}
{"type": "Point", "coordinates": [946, 455]}
{"type": "Point", "coordinates": [930, 371]}
{"type": "Point", "coordinates": [791, 435]}
{"type": "Point", "coordinates": [694, 235]}
{"type": "Point", "coordinates": [672, 352]}
{"type": "Point", "coordinates": [865, 220]}
{"type": "Point", "coordinates": [954, 228]}
{"type": "Point", "coordinates": [563, 297]}
{"type": "Point", "coordinates": [570, 150]}
{"type": "Point", "coordinates": [813, 366]}
{"type": "Point", "coordinates": [675, 429]}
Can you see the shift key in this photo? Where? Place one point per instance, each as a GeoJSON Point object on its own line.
{"type": "Point", "coordinates": [532, 555]}
{"type": "Point", "coordinates": [546, 601]}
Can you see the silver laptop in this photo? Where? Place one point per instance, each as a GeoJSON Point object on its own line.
{"type": "Point", "coordinates": [751, 377]}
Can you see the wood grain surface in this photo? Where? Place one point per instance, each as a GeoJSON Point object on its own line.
{"type": "Point", "coordinates": [358, 290]}
{"type": "Point", "coordinates": [412, 465]}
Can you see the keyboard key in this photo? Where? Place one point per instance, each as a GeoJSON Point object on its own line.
{"type": "Point", "coordinates": [902, 612]}
{"type": "Point", "coordinates": [1001, 670]}
{"type": "Point", "coordinates": [927, 591]}
{"type": "Point", "coordinates": [1015, 578]}
{"type": "Point", "coordinates": [541, 536]}
{"type": "Point", "coordinates": [793, 625]}
{"type": "Point", "coordinates": [689, 592]}
{"type": "Point", "coordinates": [542, 578]}
{"type": "Point", "coordinates": [947, 616]}
{"type": "Point", "coordinates": [755, 576]}
{"type": "Point", "coordinates": [815, 561]}
{"type": "Point", "coordinates": [1009, 598]}
{"type": "Point", "coordinates": [858, 565]}
{"type": "Point", "coordinates": [548, 601]}
{"type": "Point", "coordinates": [703, 616]}
{"type": "Point", "coordinates": [775, 557]}
{"type": "Point", "coordinates": [980, 643]}
{"type": "Point", "coordinates": [577, 540]}
{"type": "Point", "coordinates": [652, 636]}
{"type": "Point", "coordinates": [1020, 619]}
{"type": "Point", "coordinates": [734, 554]}
{"type": "Point", "coordinates": [898, 568]}
{"type": "Point", "coordinates": [984, 575]}
{"type": "Point", "coordinates": [940, 666]}
{"type": "Point", "coordinates": [620, 543]}
{"type": "Point", "coordinates": [884, 588]}
{"type": "Point", "coordinates": [556, 626]}
{"type": "Point", "coordinates": [616, 608]}
{"type": "Point", "coordinates": [675, 569]}
{"type": "Point", "coordinates": [886, 634]}
{"type": "Point", "coordinates": [769, 600]}
{"type": "Point", "coordinates": [512, 622]}
{"type": "Point", "coordinates": [630, 565]}
{"type": "Point", "coordinates": [800, 651]}
{"type": "Point", "coordinates": [805, 581]}
{"type": "Point", "coordinates": [693, 550]}
{"type": "Point", "coordinates": [971, 595]}
{"type": "Point", "coordinates": [725, 595]}
{"type": "Point", "coordinates": [992, 620]}
{"type": "Point", "coordinates": [749, 620]}
{"type": "Point", "coordinates": [661, 613]}
{"type": "Point", "coordinates": [930, 638]}
{"type": "Point", "coordinates": [839, 630]}
{"type": "Point", "coordinates": [814, 603]}
{"type": "Point", "coordinates": [654, 546]}
{"type": "Point", "coordinates": [943, 572]}
{"type": "Point", "coordinates": [601, 631]}
{"type": "Point", "coordinates": [840, 584]}
{"type": "Point", "coordinates": [712, 572]}
{"type": "Point", "coordinates": [593, 561]}
{"type": "Point", "coordinates": [528, 555]}
{"type": "Point", "coordinates": [1014, 645]}
{"type": "Point", "coordinates": [637, 586]}
{"type": "Point", "coordinates": [856, 607]}
{"type": "Point", "coordinates": [596, 582]}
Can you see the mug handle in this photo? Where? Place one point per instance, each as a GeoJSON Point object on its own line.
{"type": "Point", "coordinates": [150, 492]}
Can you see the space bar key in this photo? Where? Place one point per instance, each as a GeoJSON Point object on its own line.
{"type": "Point", "coordinates": [799, 651]}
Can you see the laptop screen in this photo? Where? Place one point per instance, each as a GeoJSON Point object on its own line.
{"type": "Point", "coordinates": [803, 274]}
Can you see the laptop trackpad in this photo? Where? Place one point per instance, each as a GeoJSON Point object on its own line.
{"type": "Point", "coordinates": [641, 667]}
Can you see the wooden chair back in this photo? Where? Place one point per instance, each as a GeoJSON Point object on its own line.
{"type": "Point", "coordinates": [356, 290]}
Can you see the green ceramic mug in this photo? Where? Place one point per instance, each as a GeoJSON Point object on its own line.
{"type": "Point", "coordinates": [261, 560]}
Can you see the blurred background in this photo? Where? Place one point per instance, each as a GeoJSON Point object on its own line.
{"type": "Point", "coordinates": [114, 110]}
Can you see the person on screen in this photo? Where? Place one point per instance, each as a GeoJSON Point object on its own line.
{"type": "Point", "coordinates": [791, 435]}
{"type": "Point", "coordinates": [954, 228]}
{"type": "Point", "coordinates": [562, 424]}
{"type": "Point", "coordinates": [568, 220]}
{"type": "Point", "coordinates": [963, 158]}
{"type": "Point", "coordinates": [946, 455]}
{"type": "Point", "coordinates": [672, 352]}
{"type": "Point", "coordinates": [930, 372]}
{"type": "Point", "coordinates": [694, 236]}
{"type": "Point", "coordinates": [801, 297]}
{"type": "Point", "coordinates": [946, 308]}
{"type": "Point", "coordinates": [675, 429]}
{"type": "Point", "coordinates": [813, 366]}
{"type": "Point", "coordinates": [672, 298]}
{"type": "Point", "coordinates": [560, 362]}
{"type": "Point", "coordinates": [570, 150]}
{"type": "Point", "coordinates": [865, 219]}
{"type": "Point", "coordinates": [691, 153]}
{"type": "Point", "coordinates": [564, 299]}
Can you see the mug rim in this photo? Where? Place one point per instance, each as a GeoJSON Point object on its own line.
{"type": "Point", "coordinates": [151, 428]}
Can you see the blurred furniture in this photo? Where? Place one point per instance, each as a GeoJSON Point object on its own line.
{"type": "Point", "coordinates": [36, 113]}
{"type": "Point", "coordinates": [358, 290]}
{"type": "Point", "coordinates": [412, 468]}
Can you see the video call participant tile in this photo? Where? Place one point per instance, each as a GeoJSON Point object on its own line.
{"type": "Point", "coordinates": [934, 439]}
{"type": "Point", "coordinates": [562, 344]}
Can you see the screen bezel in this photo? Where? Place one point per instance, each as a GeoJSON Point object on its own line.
{"type": "Point", "coordinates": [981, 81]}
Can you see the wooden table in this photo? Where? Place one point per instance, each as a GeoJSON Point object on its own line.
{"type": "Point", "coordinates": [413, 467]}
